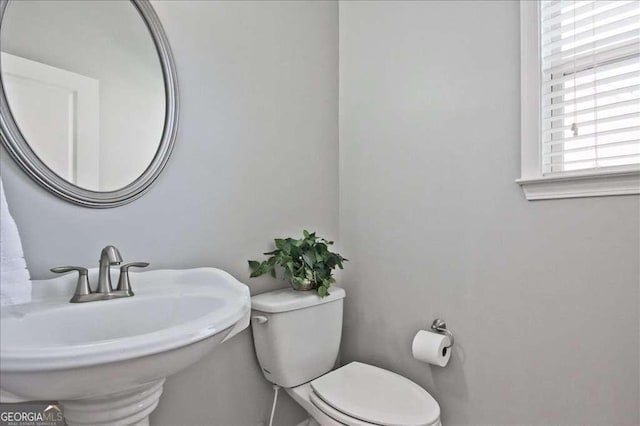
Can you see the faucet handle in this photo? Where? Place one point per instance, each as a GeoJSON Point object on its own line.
{"type": "Point", "coordinates": [123, 282]}
{"type": "Point", "coordinates": [62, 269]}
{"type": "Point", "coordinates": [126, 267]}
{"type": "Point", "coordinates": [83, 288]}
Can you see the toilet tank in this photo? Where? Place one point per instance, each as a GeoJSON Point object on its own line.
{"type": "Point", "coordinates": [296, 334]}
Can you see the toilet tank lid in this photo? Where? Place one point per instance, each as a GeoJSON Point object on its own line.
{"type": "Point", "coordinates": [288, 299]}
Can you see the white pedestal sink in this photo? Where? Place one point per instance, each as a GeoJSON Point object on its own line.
{"type": "Point", "coordinates": [106, 361]}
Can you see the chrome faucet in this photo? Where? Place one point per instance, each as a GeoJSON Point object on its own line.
{"type": "Point", "coordinates": [109, 256]}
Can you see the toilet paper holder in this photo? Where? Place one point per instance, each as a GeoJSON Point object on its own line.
{"type": "Point", "coordinates": [439, 326]}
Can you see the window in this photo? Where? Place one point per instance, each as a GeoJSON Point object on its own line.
{"type": "Point", "coordinates": [580, 98]}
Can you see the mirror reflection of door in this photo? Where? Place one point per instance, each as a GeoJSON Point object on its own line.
{"type": "Point", "coordinates": [58, 112]}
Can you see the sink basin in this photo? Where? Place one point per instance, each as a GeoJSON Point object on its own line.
{"type": "Point", "coordinates": [106, 361]}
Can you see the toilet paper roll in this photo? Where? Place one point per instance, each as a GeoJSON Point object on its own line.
{"type": "Point", "coordinates": [431, 348]}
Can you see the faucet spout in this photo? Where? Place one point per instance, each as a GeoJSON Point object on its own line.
{"type": "Point", "coordinates": [109, 256]}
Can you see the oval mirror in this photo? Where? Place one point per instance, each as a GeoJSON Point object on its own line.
{"type": "Point", "coordinates": [88, 96]}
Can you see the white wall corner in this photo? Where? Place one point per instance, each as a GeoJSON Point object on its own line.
{"type": "Point", "coordinates": [529, 90]}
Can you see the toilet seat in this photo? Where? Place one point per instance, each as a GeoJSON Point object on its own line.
{"type": "Point", "coordinates": [363, 395]}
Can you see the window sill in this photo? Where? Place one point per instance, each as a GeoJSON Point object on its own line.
{"type": "Point", "coordinates": [577, 185]}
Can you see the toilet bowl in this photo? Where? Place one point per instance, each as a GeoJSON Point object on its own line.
{"type": "Point", "coordinates": [359, 394]}
{"type": "Point", "coordinates": [297, 337]}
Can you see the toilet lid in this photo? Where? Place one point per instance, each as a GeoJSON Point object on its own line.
{"type": "Point", "coordinates": [376, 396]}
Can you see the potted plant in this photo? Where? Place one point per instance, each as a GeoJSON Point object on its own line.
{"type": "Point", "coordinates": [308, 264]}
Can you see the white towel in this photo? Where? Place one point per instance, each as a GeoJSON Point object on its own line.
{"type": "Point", "coordinates": [15, 284]}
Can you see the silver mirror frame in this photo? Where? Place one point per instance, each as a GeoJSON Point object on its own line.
{"type": "Point", "coordinates": [21, 152]}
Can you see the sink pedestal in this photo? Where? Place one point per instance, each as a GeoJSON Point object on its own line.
{"type": "Point", "coordinates": [128, 408]}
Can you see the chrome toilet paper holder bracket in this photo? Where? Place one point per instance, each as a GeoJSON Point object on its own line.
{"type": "Point", "coordinates": [439, 326]}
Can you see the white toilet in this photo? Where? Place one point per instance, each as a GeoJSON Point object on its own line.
{"type": "Point", "coordinates": [297, 338]}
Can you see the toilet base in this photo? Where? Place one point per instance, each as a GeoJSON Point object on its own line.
{"type": "Point", "coordinates": [308, 422]}
{"type": "Point", "coordinates": [300, 394]}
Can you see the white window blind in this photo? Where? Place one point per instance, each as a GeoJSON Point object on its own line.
{"type": "Point", "coordinates": [590, 107]}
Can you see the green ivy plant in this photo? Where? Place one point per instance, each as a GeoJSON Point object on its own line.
{"type": "Point", "coordinates": [307, 262]}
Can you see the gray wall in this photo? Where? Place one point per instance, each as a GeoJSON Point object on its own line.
{"type": "Point", "coordinates": [542, 296]}
{"type": "Point", "coordinates": [256, 157]}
